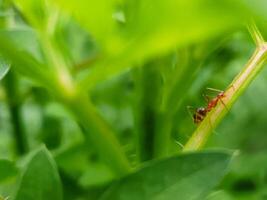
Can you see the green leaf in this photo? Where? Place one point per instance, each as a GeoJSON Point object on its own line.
{"type": "Point", "coordinates": [95, 16]}
{"type": "Point", "coordinates": [30, 42]}
{"type": "Point", "coordinates": [4, 68]}
{"type": "Point", "coordinates": [21, 59]}
{"type": "Point", "coordinates": [96, 175]}
{"type": "Point", "coordinates": [7, 170]}
{"type": "Point", "coordinates": [40, 180]}
{"type": "Point", "coordinates": [184, 177]}
{"type": "Point", "coordinates": [36, 11]}
{"type": "Point", "coordinates": [155, 27]}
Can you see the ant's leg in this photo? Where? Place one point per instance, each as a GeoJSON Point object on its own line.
{"type": "Point", "coordinates": [220, 99]}
{"type": "Point", "coordinates": [206, 97]}
{"type": "Point", "coordinates": [191, 110]}
{"type": "Point", "coordinates": [199, 118]}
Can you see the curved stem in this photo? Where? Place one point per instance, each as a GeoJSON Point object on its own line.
{"type": "Point", "coordinates": [100, 133]}
{"type": "Point", "coordinates": [94, 125]}
{"type": "Point", "coordinates": [14, 104]}
{"type": "Point", "coordinates": [235, 89]}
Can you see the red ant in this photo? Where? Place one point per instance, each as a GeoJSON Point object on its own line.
{"type": "Point", "coordinates": [200, 113]}
{"type": "Point", "coordinates": [213, 102]}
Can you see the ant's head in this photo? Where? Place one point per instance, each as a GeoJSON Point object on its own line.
{"type": "Point", "coordinates": [201, 111]}
{"type": "Point", "coordinates": [199, 115]}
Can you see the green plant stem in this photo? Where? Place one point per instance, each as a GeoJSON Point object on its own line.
{"type": "Point", "coordinates": [173, 95]}
{"type": "Point", "coordinates": [61, 70]}
{"type": "Point", "coordinates": [148, 83]}
{"type": "Point", "coordinates": [100, 133]}
{"type": "Point", "coordinates": [171, 99]}
{"type": "Point", "coordinates": [14, 105]}
{"type": "Point", "coordinates": [96, 129]}
{"type": "Point", "coordinates": [86, 113]}
{"type": "Point", "coordinates": [163, 134]}
{"type": "Point", "coordinates": [235, 90]}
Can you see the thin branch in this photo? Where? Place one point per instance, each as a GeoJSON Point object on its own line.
{"type": "Point", "coordinates": [100, 133]}
{"type": "Point", "coordinates": [234, 90]}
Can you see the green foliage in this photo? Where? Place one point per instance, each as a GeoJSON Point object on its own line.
{"type": "Point", "coordinates": [7, 170]}
{"type": "Point", "coordinates": [182, 176]}
{"type": "Point", "coordinates": [40, 180]}
{"type": "Point", "coordinates": [146, 35]}
{"type": "Point", "coordinates": [4, 69]}
{"type": "Point", "coordinates": [36, 13]}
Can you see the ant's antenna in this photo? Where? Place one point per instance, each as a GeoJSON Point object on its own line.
{"type": "Point", "coordinates": [214, 90]}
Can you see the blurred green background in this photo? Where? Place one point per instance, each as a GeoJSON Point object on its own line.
{"type": "Point", "coordinates": [214, 50]}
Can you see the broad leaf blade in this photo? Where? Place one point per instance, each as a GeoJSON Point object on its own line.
{"type": "Point", "coordinates": [40, 181]}
{"type": "Point", "coordinates": [184, 177]}
{"type": "Point", "coordinates": [95, 16]}
{"type": "Point", "coordinates": [156, 26]}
